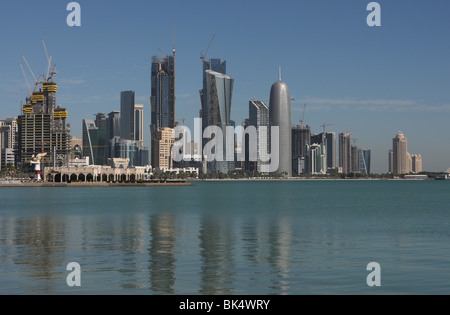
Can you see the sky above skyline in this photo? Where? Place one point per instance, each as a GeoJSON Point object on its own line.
{"type": "Point", "coordinates": [370, 81]}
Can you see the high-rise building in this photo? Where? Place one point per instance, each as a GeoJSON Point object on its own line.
{"type": "Point", "coordinates": [216, 65]}
{"type": "Point", "coordinates": [317, 162]}
{"type": "Point", "coordinates": [94, 140]}
{"type": "Point", "coordinates": [42, 127]}
{"type": "Point", "coordinates": [301, 139]}
{"type": "Point", "coordinates": [162, 102]}
{"type": "Point", "coordinates": [112, 130]}
{"type": "Point", "coordinates": [218, 96]}
{"type": "Point", "coordinates": [280, 116]}
{"type": "Point", "coordinates": [259, 118]}
{"type": "Point", "coordinates": [331, 149]}
{"type": "Point", "coordinates": [409, 162]}
{"type": "Point", "coordinates": [364, 161]}
{"type": "Point", "coordinates": [330, 145]}
{"type": "Point", "coordinates": [354, 160]}
{"type": "Point", "coordinates": [400, 154]}
{"type": "Point", "coordinates": [8, 144]}
{"type": "Point", "coordinates": [139, 124]}
{"type": "Point", "coordinates": [127, 112]}
{"type": "Point", "coordinates": [416, 163]}
{"type": "Point", "coordinates": [345, 152]}
{"type": "Point", "coordinates": [161, 154]}
{"type": "Point", "coordinates": [391, 161]}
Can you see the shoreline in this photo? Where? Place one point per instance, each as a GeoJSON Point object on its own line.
{"type": "Point", "coordinates": [149, 184]}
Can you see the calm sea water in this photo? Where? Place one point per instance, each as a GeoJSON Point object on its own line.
{"type": "Point", "coordinates": [302, 237]}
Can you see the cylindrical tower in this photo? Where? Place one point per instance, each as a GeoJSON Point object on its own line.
{"type": "Point", "coordinates": [280, 115]}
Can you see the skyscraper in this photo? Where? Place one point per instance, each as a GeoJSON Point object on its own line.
{"type": "Point", "coordinates": [218, 95]}
{"type": "Point", "coordinates": [364, 161]}
{"type": "Point", "coordinates": [139, 124]}
{"type": "Point", "coordinates": [280, 116]}
{"type": "Point", "coordinates": [391, 161]}
{"type": "Point", "coordinates": [127, 111]}
{"type": "Point", "coordinates": [301, 139]}
{"type": "Point", "coordinates": [42, 127]}
{"type": "Point", "coordinates": [216, 65]}
{"type": "Point", "coordinates": [162, 102]}
{"type": "Point", "coordinates": [94, 139]}
{"type": "Point", "coordinates": [400, 154]}
{"type": "Point", "coordinates": [112, 130]}
{"type": "Point", "coordinates": [259, 118]}
{"type": "Point", "coordinates": [345, 152]}
{"type": "Point", "coordinates": [416, 163]}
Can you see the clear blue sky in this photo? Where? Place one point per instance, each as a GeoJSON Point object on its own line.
{"type": "Point", "coordinates": [373, 82]}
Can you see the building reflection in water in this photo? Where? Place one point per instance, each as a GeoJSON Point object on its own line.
{"type": "Point", "coordinates": [40, 244]}
{"type": "Point", "coordinates": [217, 261]}
{"type": "Point", "coordinates": [267, 246]}
{"type": "Point", "coordinates": [161, 251]}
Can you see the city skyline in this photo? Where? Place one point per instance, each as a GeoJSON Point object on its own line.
{"type": "Point", "coordinates": [370, 81]}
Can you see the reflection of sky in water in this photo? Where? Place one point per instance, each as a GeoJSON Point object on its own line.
{"type": "Point", "coordinates": [226, 238]}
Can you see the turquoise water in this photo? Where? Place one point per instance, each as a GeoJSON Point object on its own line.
{"type": "Point", "coordinates": [302, 237]}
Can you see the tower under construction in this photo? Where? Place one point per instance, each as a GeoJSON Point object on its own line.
{"type": "Point", "coordinates": [42, 126]}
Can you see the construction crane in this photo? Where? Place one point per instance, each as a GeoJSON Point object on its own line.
{"type": "Point", "coordinates": [182, 119]}
{"type": "Point", "coordinates": [50, 71]}
{"type": "Point", "coordinates": [36, 82]}
{"type": "Point", "coordinates": [303, 116]}
{"type": "Point", "coordinates": [325, 125]}
{"type": "Point", "coordinates": [26, 80]}
{"type": "Point", "coordinates": [160, 51]}
{"type": "Point", "coordinates": [203, 56]}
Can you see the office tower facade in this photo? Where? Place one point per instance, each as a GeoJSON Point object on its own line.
{"type": "Point", "coordinates": [127, 111]}
{"type": "Point", "coordinates": [301, 139]}
{"type": "Point", "coordinates": [8, 141]}
{"type": "Point", "coordinates": [400, 154]}
{"type": "Point", "coordinates": [94, 140]}
{"type": "Point", "coordinates": [218, 97]}
{"type": "Point", "coordinates": [139, 124]}
{"type": "Point", "coordinates": [331, 149]}
{"type": "Point", "coordinates": [162, 153]}
{"type": "Point", "coordinates": [216, 65]}
{"type": "Point", "coordinates": [126, 149]}
{"type": "Point", "coordinates": [354, 160]}
{"type": "Point", "coordinates": [345, 152]}
{"type": "Point", "coordinates": [391, 161]}
{"type": "Point", "coordinates": [42, 127]}
{"type": "Point", "coordinates": [162, 102]}
{"type": "Point", "coordinates": [364, 161]}
{"type": "Point", "coordinates": [317, 159]}
{"type": "Point", "coordinates": [112, 130]}
{"type": "Point", "coordinates": [280, 116]}
{"type": "Point", "coordinates": [259, 118]}
{"type": "Point", "coordinates": [329, 142]}
{"type": "Point", "coordinates": [416, 163]}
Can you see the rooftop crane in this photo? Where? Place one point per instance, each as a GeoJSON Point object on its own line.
{"type": "Point", "coordinates": [303, 116]}
{"type": "Point", "coordinates": [50, 71]}
{"type": "Point", "coordinates": [26, 80]}
{"type": "Point", "coordinates": [160, 51]}
{"type": "Point", "coordinates": [325, 125]}
{"type": "Point", "coordinates": [203, 56]}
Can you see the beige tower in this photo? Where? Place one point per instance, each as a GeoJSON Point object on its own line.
{"type": "Point", "coordinates": [162, 146]}
{"type": "Point", "coordinates": [400, 154]}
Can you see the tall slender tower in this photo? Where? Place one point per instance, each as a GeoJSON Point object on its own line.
{"type": "Point", "coordinates": [400, 154]}
{"type": "Point", "coordinates": [162, 101]}
{"type": "Point", "coordinates": [280, 115]}
{"type": "Point", "coordinates": [345, 152]}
